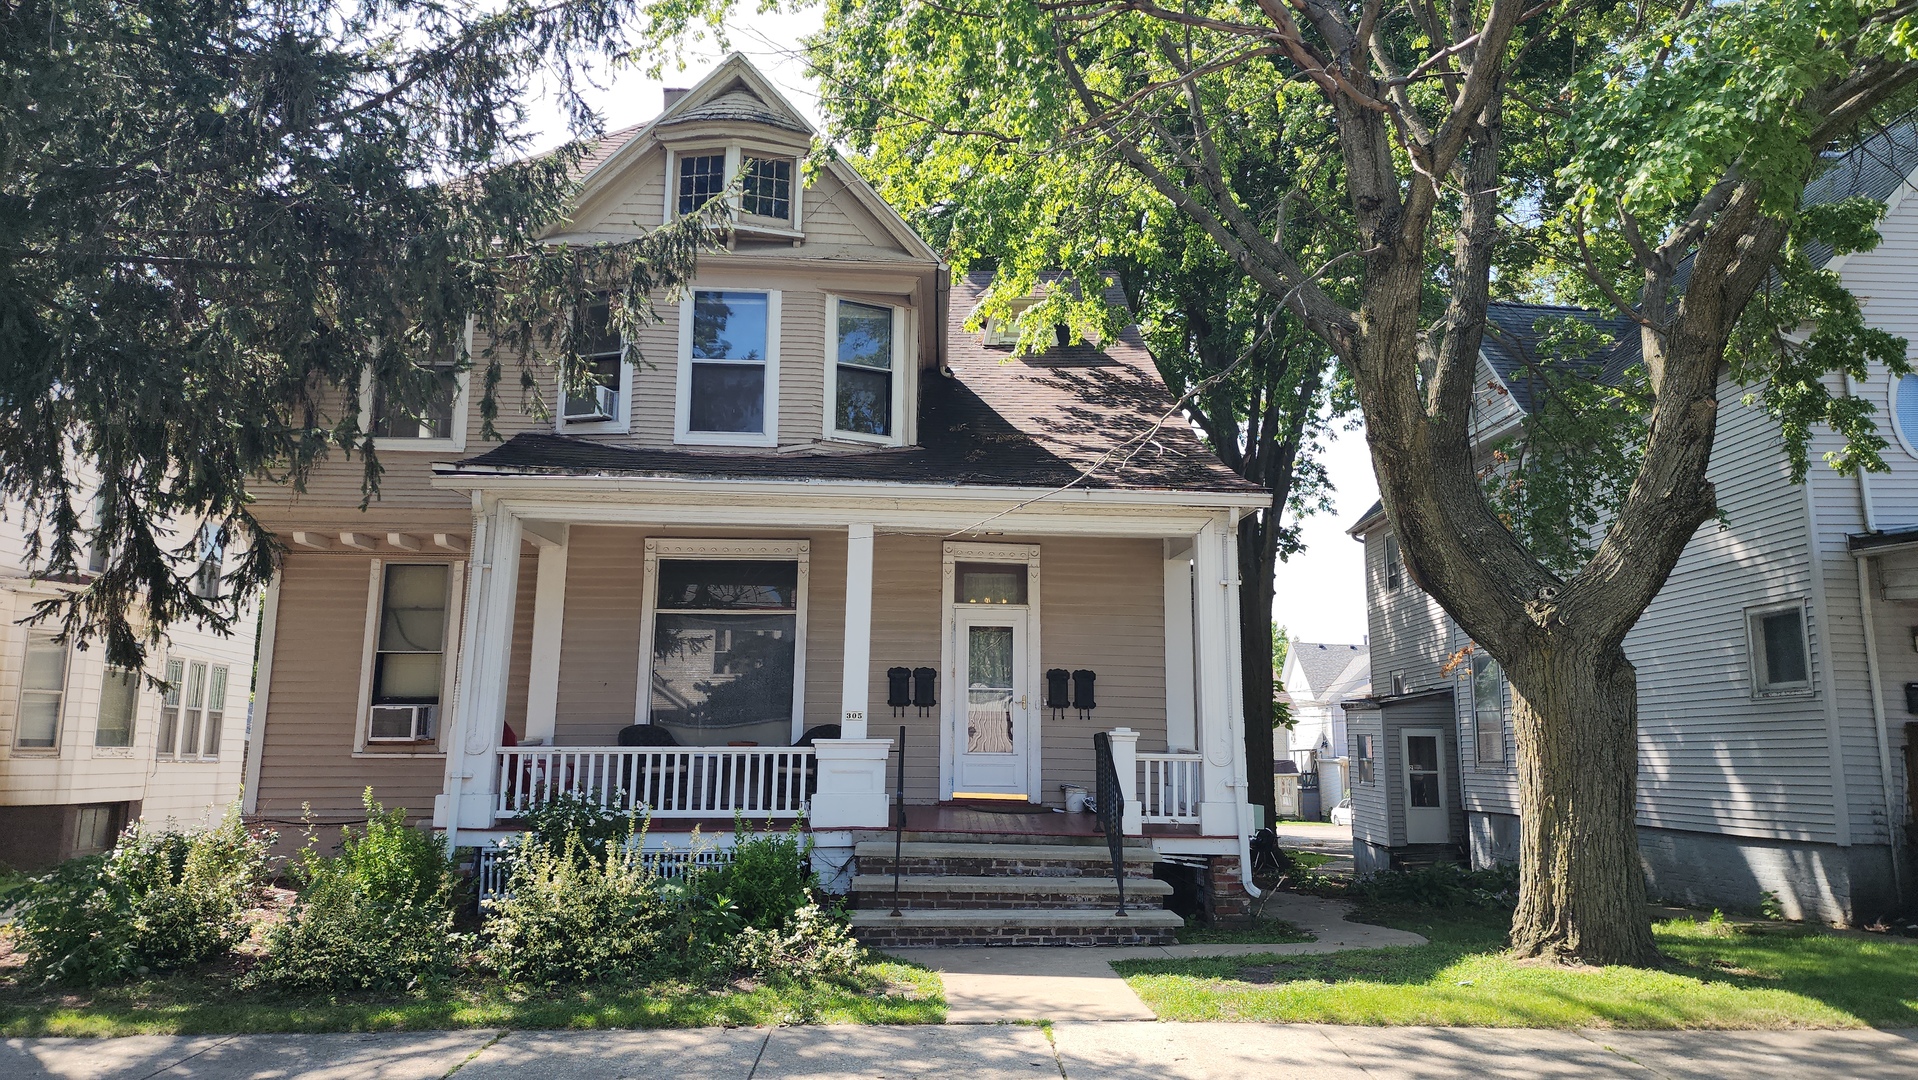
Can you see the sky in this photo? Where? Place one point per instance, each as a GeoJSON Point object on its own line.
{"type": "Point", "coordinates": [1320, 593]}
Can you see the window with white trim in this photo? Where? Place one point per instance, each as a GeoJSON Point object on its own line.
{"type": "Point", "coordinates": [1904, 411]}
{"type": "Point", "coordinates": [1488, 709]}
{"type": "Point", "coordinates": [409, 653]}
{"type": "Point", "coordinates": [192, 710]}
{"type": "Point", "coordinates": [119, 705]}
{"type": "Point", "coordinates": [602, 361]}
{"type": "Point", "coordinates": [429, 409]}
{"type": "Point", "coordinates": [211, 562]}
{"type": "Point", "coordinates": [728, 372]}
{"type": "Point", "coordinates": [98, 551]}
{"type": "Point", "coordinates": [43, 692]}
{"type": "Point", "coordinates": [864, 386]}
{"type": "Point", "coordinates": [1780, 650]}
{"type": "Point", "coordinates": [766, 188]}
{"type": "Point", "coordinates": [169, 733]}
{"type": "Point", "coordinates": [701, 177]}
{"type": "Point", "coordinates": [724, 641]}
{"type": "Point", "coordinates": [1364, 769]}
{"type": "Point", "coordinates": [1394, 565]}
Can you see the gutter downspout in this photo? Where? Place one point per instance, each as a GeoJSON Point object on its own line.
{"type": "Point", "coordinates": [1878, 712]}
{"type": "Point", "coordinates": [1235, 707]}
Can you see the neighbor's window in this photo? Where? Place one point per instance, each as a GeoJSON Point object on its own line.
{"type": "Point", "coordinates": [410, 652]}
{"type": "Point", "coordinates": [206, 577]}
{"type": "Point", "coordinates": [1363, 766]}
{"type": "Point", "coordinates": [602, 360]}
{"type": "Point", "coordinates": [863, 369]}
{"type": "Point", "coordinates": [43, 691]}
{"type": "Point", "coordinates": [990, 583]}
{"type": "Point", "coordinates": [193, 716]}
{"type": "Point", "coordinates": [725, 650]}
{"type": "Point", "coordinates": [98, 827]}
{"type": "Point", "coordinates": [428, 417]}
{"type": "Point", "coordinates": [727, 389]}
{"type": "Point", "coordinates": [767, 188]}
{"type": "Point", "coordinates": [700, 178]}
{"type": "Point", "coordinates": [170, 708]}
{"type": "Point", "coordinates": [1488, 709]}
{"type": "Point", "coordinates": [1781, 661]}
{"type": "Point", "coordinates": [215, 712]}
{"type": "Point", "coordinates": [119, 702]}
{"type": "Point", "coordinates": [97, 550]}
{"type": "Point", "coordinates": [1904, 410]}
{"type": "Point", "coordinates": [1394, 567]}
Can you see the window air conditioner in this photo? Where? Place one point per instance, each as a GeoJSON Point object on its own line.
{"type": "Point", "coordinates": [402, 723]}
{"type": "Point", "coordinates": [598, 403]}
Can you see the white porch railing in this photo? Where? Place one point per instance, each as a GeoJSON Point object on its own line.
{"type": "Point", "coordinates": [1169, 790]}
{"type": "Point", "coordinates": [668, 782]}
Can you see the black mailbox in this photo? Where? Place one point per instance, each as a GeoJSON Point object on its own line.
{"type": "Point", "coordinates": [1911, 698]}
{"type": "Point", "coordinates": [898, 692]}
{"type": "Point", "coordinates": [1056, 697]}
{"type": "Point", "coordinates": [923, 681]}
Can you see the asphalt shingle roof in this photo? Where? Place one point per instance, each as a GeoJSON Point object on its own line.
{"type": "Point", "coordinates": [1323, 663]}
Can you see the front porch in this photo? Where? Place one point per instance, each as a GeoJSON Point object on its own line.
{"type": "Point", "coordinates": [688, 663]}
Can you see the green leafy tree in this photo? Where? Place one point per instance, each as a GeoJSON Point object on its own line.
{"type": "Point", "coordinates": [1479, 147]}
{"type": "Point", "coordinates": [220, 218]}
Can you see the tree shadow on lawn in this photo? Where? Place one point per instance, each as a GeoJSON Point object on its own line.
{"type": "Point", "coordinates": [1717, 975]}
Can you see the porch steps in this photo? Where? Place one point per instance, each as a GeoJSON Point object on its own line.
{"type": "Point", "coordinates": [956, 891]}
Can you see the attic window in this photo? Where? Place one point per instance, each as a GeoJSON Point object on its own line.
{"type": "Point", "coordinates": [767, 190]}
{"type": "Point", "coordinates": [700, 178]}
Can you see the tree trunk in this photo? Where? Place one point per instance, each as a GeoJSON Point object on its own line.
{"type": "Point", "coordinates": [1257, 555]}
{"type": "Point", "coordinates": [1581, 885]}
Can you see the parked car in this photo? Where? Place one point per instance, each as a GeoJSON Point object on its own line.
{"type": "Point", "coordinates": [1342, 813]}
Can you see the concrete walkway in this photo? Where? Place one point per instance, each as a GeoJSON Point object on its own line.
{"type": "Point", "coordinates": [1002, 985]}
{"type": "Point", "coordinates": [1144, 1051]}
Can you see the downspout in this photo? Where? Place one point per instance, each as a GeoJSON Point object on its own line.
{"type": "Point", "coordinates": [1235, 706]}
{"type": "Point", "coordinates": [1878, 711]}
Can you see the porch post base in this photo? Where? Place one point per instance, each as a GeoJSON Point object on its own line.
{"type": "Point", "coordinates": [475, 809]}
{"type": "Point", "coordinates": [1220, 818]}
{"type": "Point", "coordinates": [852, 784]}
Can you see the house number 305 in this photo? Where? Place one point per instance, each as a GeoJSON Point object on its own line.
{"type": "Point", "coordinates": [852, 714]}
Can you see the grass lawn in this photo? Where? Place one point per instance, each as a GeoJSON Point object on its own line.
{"type": "Point", "coordinates": [1719, 976]}
{"type": "Point", "coordinates": [884, 993]}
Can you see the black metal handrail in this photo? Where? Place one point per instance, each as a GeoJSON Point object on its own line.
{"type": "Point", "coordinates": [899, 826]}
{"type": "Point", "coordinates": [1110, 804]}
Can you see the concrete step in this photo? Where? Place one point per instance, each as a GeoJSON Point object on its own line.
{"type": "Point", "coordinates": [1004, 926]}
{"type": "Point", "coordinates": [988, 837]}
{"type": "Point", "coordinates": [925, 858]}
{"type": "Point", "coordinates": [935, 892]}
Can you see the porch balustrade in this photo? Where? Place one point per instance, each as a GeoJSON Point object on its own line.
{"type": "Point", "coordinates": [667, 782]}
{"type": "Point", "coordinates": [1169, 788]}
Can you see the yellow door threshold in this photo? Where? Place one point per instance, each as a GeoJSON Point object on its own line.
{"type": "Point", "coordinates": [957, 795]}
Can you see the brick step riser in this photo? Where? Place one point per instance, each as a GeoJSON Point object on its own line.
{"type": "Point", "coordinates": [1041, 901]}
{"type": "Point", "coordinates": [879, 937]}
{"type": "Point", "coordinates": [953, 867]}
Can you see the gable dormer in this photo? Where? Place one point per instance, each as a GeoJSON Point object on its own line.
{"type": "Point", "coordinates": [730, 131]}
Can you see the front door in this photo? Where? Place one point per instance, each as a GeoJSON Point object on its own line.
{"type": "Point", "coordinates": [1427, 818]}
{"type": "Point", "coordinates": [992, 717]}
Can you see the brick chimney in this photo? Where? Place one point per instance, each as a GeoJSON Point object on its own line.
{"type": "Point", "coordinates": [671, 94]}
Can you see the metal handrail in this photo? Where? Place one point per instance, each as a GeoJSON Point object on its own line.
{"type": "Point", "coordinates": [1110, 804]}
{"type": "Point", "coordinates": [899, 827]}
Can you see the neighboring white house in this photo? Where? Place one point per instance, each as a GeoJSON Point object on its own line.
{"type": "Point", "coordinates": [1317, 679]}
{"type": "Point", "coordinates": [86, 748]}
{"type": "Point", "coordinates": [1777, 670]}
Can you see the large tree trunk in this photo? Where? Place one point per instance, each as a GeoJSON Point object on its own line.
{"type": "Point", "coordinates": [1581, 885]}
{"type": "Point", "coordinates": [1257, 556]}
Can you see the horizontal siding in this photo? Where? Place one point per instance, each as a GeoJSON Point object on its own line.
{"type": "Point", "coordinates": [1408, 630]}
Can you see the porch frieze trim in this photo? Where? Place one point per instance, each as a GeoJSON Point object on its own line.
{"type": "Point", "coordinates": [968, 552]}
{"type": "Point", "coordinates": [672, 547]}
{"type": "Point", "coordinates": [475, 478]}
{"type": "Point", "coordinates": [892, 516]}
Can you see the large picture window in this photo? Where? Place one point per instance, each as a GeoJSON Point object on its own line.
{"type": "Point", "coordinates": [725, 648]}
{"type": "Point", "coordinates": [864, 369]}
{"type": "Point", "coordinates": [409, 652]}
{"type": "Point", "coordinates": [728, 373]}
{"type": "Point", "coordinates": [43, 692]}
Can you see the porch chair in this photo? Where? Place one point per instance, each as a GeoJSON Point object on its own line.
{"type": "Point", "coordinates": [637, 781]}
{"type": "Point", "coordinates": [818, 731]}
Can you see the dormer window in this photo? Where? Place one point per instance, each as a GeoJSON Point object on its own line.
{"type": "Point", "coordinates": [863, 383]}
{"type": "Point", "coordinates": [767, 190]}
{"type": "Point", "coordinates": [729, 368]}
{"type": "Point", "coordinates": [700, 178]}
{"type": "Point", "coordinates": [602, 360]}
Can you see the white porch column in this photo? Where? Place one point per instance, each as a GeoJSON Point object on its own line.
{"type": "Point", "coordinates": [549, 614]}
{"type": "Point", "coordinates": [1213, 623]}
{"type": "Point", "coordinates": [1125, 762]}
{"type": "Point", "coordinates": [486, 649]}
{"type": "Point", "coordinates": [855, 686]}
{"type": "Point", "coordinates": [1181, 715]}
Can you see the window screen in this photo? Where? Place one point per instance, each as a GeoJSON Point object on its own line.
{"type": "Point", "coordinates": [725, 648]}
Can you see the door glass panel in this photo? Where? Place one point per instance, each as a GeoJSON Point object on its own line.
{"type": "Point", "coordinates": [989, 690]}
{"type": "Point", "coordinates": [1421, 770]}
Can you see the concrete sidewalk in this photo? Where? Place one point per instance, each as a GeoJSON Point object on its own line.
{"type": "Point", "coordinates": [1109, 1051]}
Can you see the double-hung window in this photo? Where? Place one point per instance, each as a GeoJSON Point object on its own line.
{"type": "Point", "coordinates": [409, 657]}
{"type": "Point", "coordinates": [725, 650]}
{"type": "Point", "coordinates": [43, 692]}
{"type": "Point", "coordinates": [863, 380]}
{"type": "Point", "coordinates": [192, 710]}
{"type": "Point", "coordinates": [602, 362]}
{"type": "Point", "coordinates": [729, 368]}
{"type": "Point", "coordinates": [1394, 565]}
{"type": "Point", "coordinates": [426, 409]}
{"type": "Point", "coordinates": [119, 704]}
{"type": "Point", "coordinates": [701, 177]}
{"type": "Point", "coordinates": [212, 562]}
{"type": "Point", "coordinates": [1488, 709]}
{"type": "Point", "coordinates": [1363, 767]}
{"type": "Point", "coordinates": [1780, 651]}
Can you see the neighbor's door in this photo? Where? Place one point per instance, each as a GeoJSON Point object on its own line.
{"type": "Point", "coordinates": [992, 719]}
{"type": "Point", "coordinates": [1428, 820]}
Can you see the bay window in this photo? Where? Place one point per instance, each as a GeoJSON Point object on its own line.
{"type": "Point", "coordinates": [767, 188]}
{"type": "Point", "coordinates": [701, 177]}
{"type": "Point", "coordinates": [119, 703]}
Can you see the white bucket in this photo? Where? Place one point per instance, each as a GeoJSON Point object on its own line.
{"type": "Point", "coordinates": [1075, 798]}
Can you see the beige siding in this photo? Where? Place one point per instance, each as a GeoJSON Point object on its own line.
{"type": "Point", "coordinates": [519, 671]}
{"type": "Point", "coordinates": [599, 646]}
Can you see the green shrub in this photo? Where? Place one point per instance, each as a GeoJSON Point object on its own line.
{"type": "Point", "coordinates": [812, 946]}
{"type": "Point", "coordinates": [159, 901]}
{"type": "Point", "coordinates": [1442, 885]}
{"type": "Point", "coordinates": [596, 827]}
{"type": "Point", "coordinates": [769, 878]}
{"type": "Point", "coordinates": [567, 917]}
{"type": "Point", "coordinates": [378, 916]}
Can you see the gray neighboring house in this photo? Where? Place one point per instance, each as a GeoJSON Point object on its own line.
{"type": "Point", "coordinates": [1778, 669]}
{"type": "Point", "coordinates": [1317, 679]}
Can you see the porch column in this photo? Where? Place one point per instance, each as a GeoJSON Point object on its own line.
{"type": "Point", "coordinates": [1213, 621]}
{"type": "Point", "coordinates": [549, 614]}
{"type": "Point", "coordinates": [486, 649]}
{"type": "Point", "coordinates": [1181, 716]}
{"type": "Point", "coordinates": [855, 685]}
{"type": "Point", "coordinates": [1125, 762]}
{"type": "Point", "coordinates": [852, 792]}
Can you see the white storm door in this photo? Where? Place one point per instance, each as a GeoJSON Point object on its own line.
{"type": "Point", "coordinates": [993, 714]}
{"type": "Point", "coordinates": [1428, 819]}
